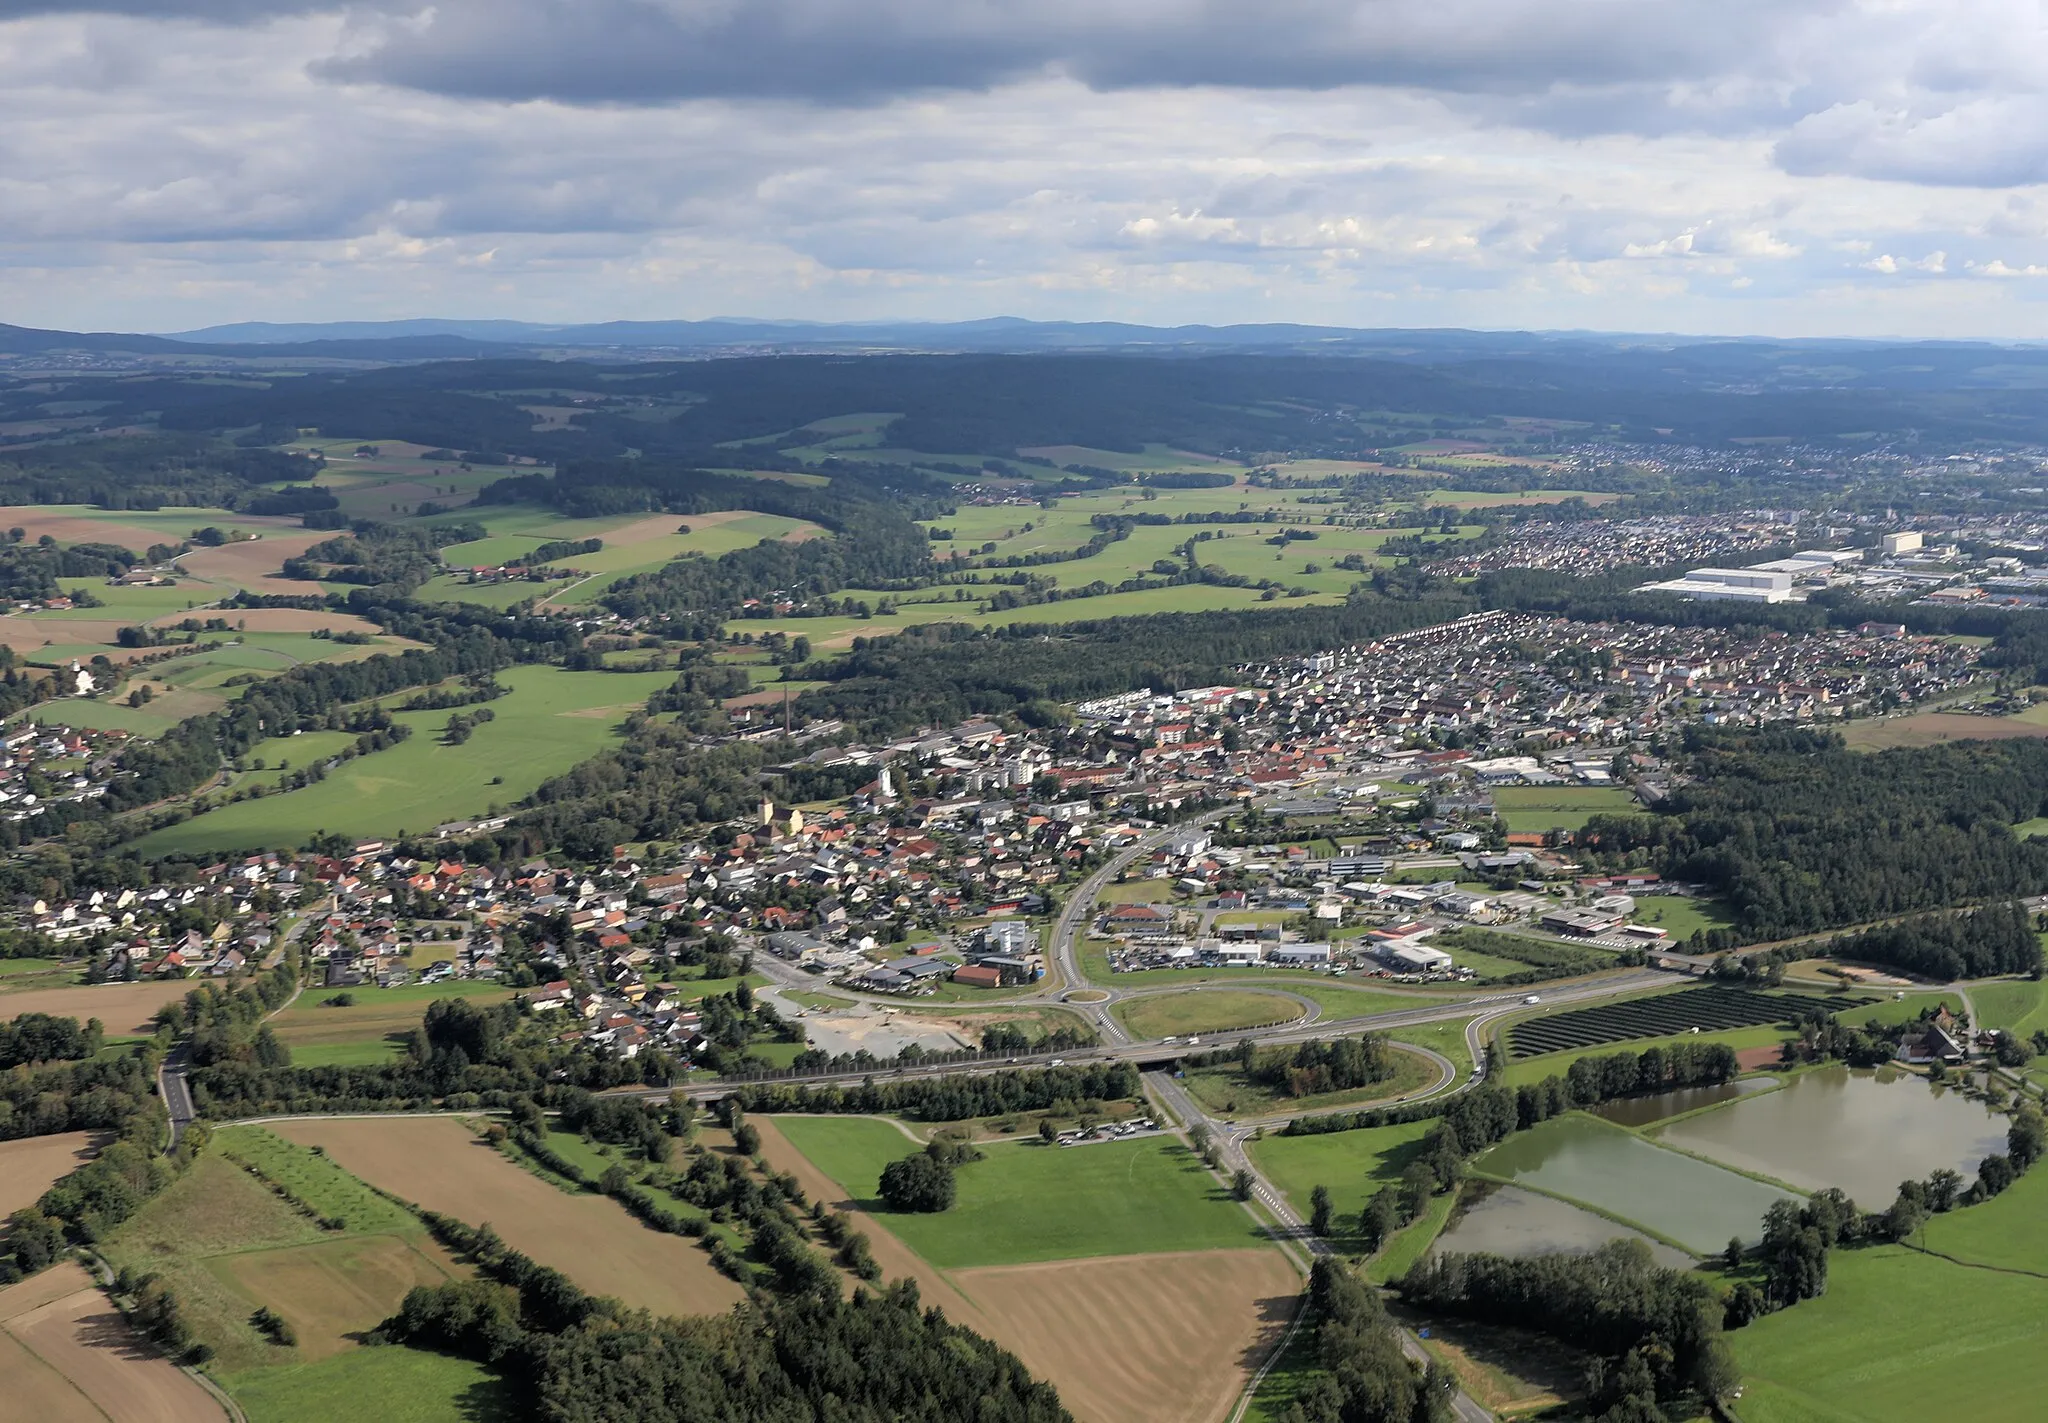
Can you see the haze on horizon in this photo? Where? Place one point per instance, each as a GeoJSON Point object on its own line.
{"type": "Point", "coordinates": [1783, 167]}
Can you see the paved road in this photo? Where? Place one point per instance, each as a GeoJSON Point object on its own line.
{"type": "Point", "coordinates": [1293, 1230]}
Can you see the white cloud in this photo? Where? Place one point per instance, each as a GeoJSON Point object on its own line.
{"type": "Point", "coordinates": [1745, 167]}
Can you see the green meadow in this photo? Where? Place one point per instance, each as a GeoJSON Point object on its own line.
{"type": "Point", "coordinates": [552, 720]}
{"type": "Point", "coordinates": [1027, 1201]}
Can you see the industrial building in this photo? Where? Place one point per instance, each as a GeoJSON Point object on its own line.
{"type": "Point", "coordinates": [1739, 585]}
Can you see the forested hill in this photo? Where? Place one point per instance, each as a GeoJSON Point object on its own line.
{"type": "Point", "coordinates": [983, 405]}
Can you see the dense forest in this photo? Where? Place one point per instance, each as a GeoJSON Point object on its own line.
{"type": "Point", "coordinates": [1799, 834]}
{"type": "Point", "coordinates": [158, 471]}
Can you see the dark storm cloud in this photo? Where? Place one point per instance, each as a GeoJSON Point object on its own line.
{"type": "Point", "coordinates": [834, 51]}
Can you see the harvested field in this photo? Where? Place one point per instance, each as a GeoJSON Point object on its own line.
{"type": "Point", "coordinates": [81, 1338]}
{"type": "Point", "coordinates": [337, 1288]}
{"type": "Point", "coordinates": [71, 528]}
{"type": "Point", "coordinates": [37, 1391]}
{"type": "Point", "coordinates": [1142, 1338]}
{"type": "Point", "coordinates": [1934, 728]}
{"type": "Point", "coordinates": [441, 1164]}
{"type": "Point", "coordinates": [125, 1009]}
{"type": "Point", "coordinates": [253, 563]}
{"type": "Point", "coordinates": [30, 1166]}
{"type": "Point", "coordinates": [293, 620]}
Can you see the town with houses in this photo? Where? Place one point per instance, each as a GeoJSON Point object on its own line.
{"type": "Point", "coordinates": [1329, 814]}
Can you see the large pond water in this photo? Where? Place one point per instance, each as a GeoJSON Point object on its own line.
{"type": "Point", "coordinates": [1861, 1131]}
{"type": "Point", "coordinates": [1507, 1220]}
{"type": "Point", "coordinates": [1646, 1111]}
{"type": "Point", "coordinates": [1692, 1202]}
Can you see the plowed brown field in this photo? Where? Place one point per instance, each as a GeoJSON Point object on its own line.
{"type": "Point", "coordinates": [83, 1345]}
{"type": "Point", "coordinates": [1141, 1338]}
{"type": "Point", "coordinates": [122, 1008]}
{"type": "Point", "coordinates": [439, 1163]}
{"type": "Point", "coordinates": [28, 1167]}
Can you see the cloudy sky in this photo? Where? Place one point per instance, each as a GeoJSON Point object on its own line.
{"type": "Point", "coordinates": [1858, 167]}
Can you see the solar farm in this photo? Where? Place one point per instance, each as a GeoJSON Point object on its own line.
{"type": "Point", "coordinates": [1705, 1009]}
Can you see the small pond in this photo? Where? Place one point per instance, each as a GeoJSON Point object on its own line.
{"type": "Point", "coordinates": [1584, 1159]}
{"type": "Point", "coordinates": [1862, 1131]}
{"type": "Point", "coordinates": [1507, 1220]}
{"type": "Point", "coordinates": [1644, 1111]}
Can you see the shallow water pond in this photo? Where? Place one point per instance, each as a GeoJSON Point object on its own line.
{"type": "Point", "coordinates": [1861, 1131]}
{"type": "Point", "coordinates": [1507, 1220]}
{"type": "Point", "coordinates": [1584, 1159]}
{"type": "Point", "coordinates": [1645, 1111]}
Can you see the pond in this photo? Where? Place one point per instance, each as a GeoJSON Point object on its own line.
{"type": "Point", "coordinates": [1507, 1220]}
{"type": "Point", "coordinates": [1644, 1111]}
{"type": "Point", "coordinates": [1862, 1131]}
{"type": "Point", "coordinates": [1583, 1159]}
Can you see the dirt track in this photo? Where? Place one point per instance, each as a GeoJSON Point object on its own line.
{"type": "Point", "coordinates": [90, 1363]}
{"type": "Point", "coordinates": [438, 1163]}
{"type": "Point", "coordinates": [122, 1008]}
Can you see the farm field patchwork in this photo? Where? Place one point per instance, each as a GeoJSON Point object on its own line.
{"type": "Point", "coordinates": [1158, 1337]}
{"type": "Point", "coordinates": [551, 720]}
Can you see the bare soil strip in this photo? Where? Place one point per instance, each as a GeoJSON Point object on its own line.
{"type": "Point", "coordinates": [440, 1164]}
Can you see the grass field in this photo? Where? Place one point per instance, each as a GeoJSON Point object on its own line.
{"type": "Point", "coordinates": [552, 720]}
{"type": "Point", "coordinates": [314, 1179]}
{"type": "Point", "coordinates": [1556, 1064]}
{"type": "Point", "coordinates": [1680, 916]}
{"type": "Point", "coordinates": [1228, 1091]}
{"type": "Point", "coordinates": [1534, 809]}
{"type": "Point", "coordinates": [1032, 1202]}
{"type": "Point", "coordinates": [1352, 1164]}
{"type": "Point", "coordinates": [2019, 1006]}
{"type": "Point", "coordinates": [373, 1027]}
{"type": "Point", "coordinates": [2008, 1232]}
{"type": "Point", "coordinates": [1215, 1010]}
{"type": "Point", "coordinates": [389, 1385]}
{"type": "Point", "coordinates": [1897, 1335]}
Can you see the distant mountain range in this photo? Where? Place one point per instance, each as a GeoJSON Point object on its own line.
{"type": "Point", "coordinates": [428, 339]}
